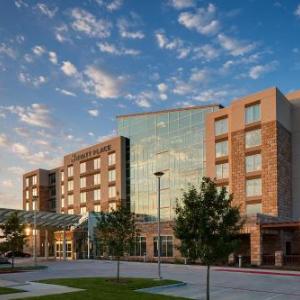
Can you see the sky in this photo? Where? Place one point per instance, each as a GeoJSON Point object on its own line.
{"type": "Point", "coordinates": [67, 68]}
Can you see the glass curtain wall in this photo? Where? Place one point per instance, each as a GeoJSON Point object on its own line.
{"type": "Point", "coordinates": [172, 142]}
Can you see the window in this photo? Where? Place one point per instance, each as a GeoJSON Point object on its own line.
{"type": "Point", "coordinates": [70, 211]}
{"type": "Point", "coordinates": [34, 205]}
{"type": "Point", "coordinates": [27, 195]}
{"type": "Point", "coordinates": [97, 163]}
{"type": "Point", "coordinates": [52, 178]}
{"type": "Point", "coordinates": [62, 189]}
{"type": "Point", "coordinates": [166, 246]}
{"type": "Point", "coordinates": [70, 171]}
{"type": "Point", "coordinates": [97, 207]}
{"type": "Point", "coordinates": [34, 192]}
{"type": "Point", "coordinates": [62, 176]}
{"type": "Point", "coordinates": [221, 126]}
{"type": "Point", "coordinates": [111, 159]}
{"type": "Point", "coordinates": [253, 187]}
{"type": "Point", "coordinates": [97, 194]}
{"type": "Point", "coordinates": [221, 149]}
{"type": "Point", "coordinates": [83, 210]}
{"type": "Point", "coordinates": [97, 179]}
{"type": "Point", "coordinates": [82, 182]}
{"type": "Point", "coordinates": [112, 206]}
{"type": "Point", "coordinates": [219, 189]}
{"type": "Point", "coordinates": [27, 182]}
{"type": "Point", "coordinates": [34, 180]}
{"type": "Point", "coordinates": [27, 206]}
{"type": "Point", "coordinates": [70, 199]}
{"type": "Point", "coordinates": [252, 113]}
{"type": "Point", "coordinates": [253, 163]}
{"type": "Point", "coordinates": [253, 209]}
{"type": "Point", "coordinates": [139, 247]}
{"type": "Point", "coordinates": [70, 185]}
{"type": "Point", "coordinates": [111, 192]}
{"type": "Point", "coordinates": [83, 167]}
{"type": "Point", "coordinates": [253, 138]}
{"type": "Point", "coordinates": [63, 202]}
{"type": "Point", "coordinates": [111, 175]}
{"type": "Point", "coordinates": [222, 171]}
{"type": "Point", "coordinates": [83, 197]}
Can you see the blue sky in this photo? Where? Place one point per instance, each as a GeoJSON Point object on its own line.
{"type": "Point", "coordinates": [67, 68]}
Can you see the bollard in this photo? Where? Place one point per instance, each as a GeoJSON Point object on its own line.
{"type": "Point", "coordinates": [185, 260]}
{"type": "Point", "coordinates": [145, 257]}
{"type": "Point", "coordinates": [240, 261]}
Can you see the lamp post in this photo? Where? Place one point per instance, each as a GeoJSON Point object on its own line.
{"type": "Point", "coordinates": [34, 230]}
{"type": "Point", "coordinates": [158, 175]}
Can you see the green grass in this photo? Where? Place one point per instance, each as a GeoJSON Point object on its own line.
{"type": "Point", "coordinates": [106, 288]}
{"type": "Point", "coordinates": [5, 290]}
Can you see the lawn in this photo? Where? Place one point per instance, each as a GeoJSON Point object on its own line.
{"type": "Point", "coordinates": [106, 288]}
{"type": "Point", "coordinates": [5, 290]}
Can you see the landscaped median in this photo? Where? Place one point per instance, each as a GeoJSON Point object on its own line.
{"type": "Point", "coordinates": [16, 269]}
{"type": "Point", "coordinates": [6, 290]}
{"type": "Point", "coordinates": [108, 288]}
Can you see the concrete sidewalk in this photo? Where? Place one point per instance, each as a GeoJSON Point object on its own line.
{"type": "Point", "coordinates": [34, 289]}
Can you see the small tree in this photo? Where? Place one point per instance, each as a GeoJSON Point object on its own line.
{"type": "Point", "coordinates": [13, 233]}
{"type": "Point", "coordinates": [117, 231]}
{"type": "Point", "coordinates": [207, 225]}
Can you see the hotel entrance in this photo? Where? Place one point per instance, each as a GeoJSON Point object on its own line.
{"type": "Point", "coordinates": [59, 254]}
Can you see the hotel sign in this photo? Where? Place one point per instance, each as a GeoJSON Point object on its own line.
{"type": "Point", "coordinates": [91, 153]}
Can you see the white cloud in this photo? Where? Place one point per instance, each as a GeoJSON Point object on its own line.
{"type": "Point", "coordinates": [110, 5]}
{"type": "Point", "coordinates": [68, 68]}
{"type": "Point", "coordinates": [7, 183]}
{"type": "Point", "coordinates": [100, 83]}
{"type": "Point", "coordinates": [143, 102]}
{"type": "Point", "coordinates": [20, 3]}
{"type": "Point", "coordinates": [128, 28]}
{"type": "Point", "coordinates": [3, 140]}
{"type": "Point", "coordinates": [87, 23]}
{"type": "Point", "coordinates": [38, 50]}
{"type": "Point", "coordinates": [297, 11]}
{"type": "Point", "coordinates": [235, 47]}
{"type": "Point", "coordinates": [91, 133]}
{"type": "Point", "coordinates": [162, 87]}
{"type": "Point", "coordinates": [108, 136]}
{"type": "Point", "coordinates": [257, 71]}
{"type": "Point", "coordinates": [199, 75]}
{"type": "Point", "coordinates": [93, 112]}
{"type": "Point", "coordinates": [207, 52]}
{"type": "Point", "coordinates": [65, 92]}
{"type": "Point", "coordinates": [19, 149]}
{"type": "Point", "coordinates": [213, 95]}
{"type": "Point", "coordinates": [5, 49]}
{"type": "Point", "coordinates": [182, 88]}
{"type": "Point", "coordinates": [53, 57]}
{"type": "Point", "coordinates": [47, 11]}
{"type": "Point", "coordinates": [112, 49]}
{"type": "Point", "coordinates": [16, 170]}
{"type": "Point", "coordinates": [181, 4]}
{"type": "Point", "coordinates": [28, 79]}
{"type": "Point", "coordinates": [203, 20]}
{"type": "Point", "coordinates": [61, 33]}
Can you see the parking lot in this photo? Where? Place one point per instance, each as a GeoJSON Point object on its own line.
{"type": "Point", "coordinates": [225, 283]}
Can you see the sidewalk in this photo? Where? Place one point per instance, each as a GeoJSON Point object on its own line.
{"type": "Point", "coordinates": [33, 289]}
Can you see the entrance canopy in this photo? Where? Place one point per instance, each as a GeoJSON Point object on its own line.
{"type": "Point", "coordinates": [46, 220]}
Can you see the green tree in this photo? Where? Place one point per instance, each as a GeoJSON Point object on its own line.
{"type": "Point", "coordinates": [207, 225]}
{"type": "Point", "coordinates": [116, 231]}
{"type": "Point", "coordinates": [13, 233]}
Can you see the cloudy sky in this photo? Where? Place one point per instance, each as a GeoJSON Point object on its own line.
{"type": "Point", "coordinates": [68, 67]}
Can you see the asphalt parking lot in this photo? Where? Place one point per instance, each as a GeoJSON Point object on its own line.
{"type": "Point", "coordinates": [225, 283]}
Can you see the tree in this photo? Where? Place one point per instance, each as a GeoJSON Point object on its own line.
{"type": "Point", "coordinates": [117, 231]}
{"type": "Point", "coordinates": [13, 233]}
{"type": "Point", "coordinates": [207, 225]}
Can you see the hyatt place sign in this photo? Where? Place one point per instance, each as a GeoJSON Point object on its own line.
{"type": "Point", "coordinates": [91, 153]}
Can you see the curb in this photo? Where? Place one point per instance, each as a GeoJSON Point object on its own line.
{"type": "Point", "coordinates": [162, 286]}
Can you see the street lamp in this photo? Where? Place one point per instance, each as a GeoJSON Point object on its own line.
{"type": "Point", "coordinates": [34, 198]}
{"type": "Point", "coordinates": [158, 175]}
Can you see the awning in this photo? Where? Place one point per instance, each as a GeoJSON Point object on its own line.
{"type": "Point", "coordinates": [45, 220]}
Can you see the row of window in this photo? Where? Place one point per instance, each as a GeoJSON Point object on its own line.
{"type": "Point", "coordinates": [34, 193]}
{"type": "Point", "coordinates": [97, 208]}
{"type": "Point", "coordinates": [252, 114]}
{"type": "Point", "coordinates": [33, 180]}
{"type": "Point", "coordinates": [252, 139]}
{"type": "Point", "coordinates": [97, 195]}
{"type": "Point", "coordinates": [252, 163]}
{"type": "Point", "coordinates": [96, 179]}
{"type": "Point", "coordinates": [97, 165]}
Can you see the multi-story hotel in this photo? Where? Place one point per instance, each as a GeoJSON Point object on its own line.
{"type": "Point", "coordinates": [252, 147]}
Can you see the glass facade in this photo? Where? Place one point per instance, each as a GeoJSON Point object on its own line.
{"type": "Point", "coordinates": [172, 142]}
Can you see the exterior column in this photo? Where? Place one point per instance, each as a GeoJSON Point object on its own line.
{"type": "Point", "coordinates": [46, 247]}
{"type": "Point", "coordinates": [256, 246]}
{"type": "Point", "coordinates": [64, 245]}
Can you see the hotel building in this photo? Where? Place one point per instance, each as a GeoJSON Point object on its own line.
{"type": "Point", "coordinates": [252, 147]}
